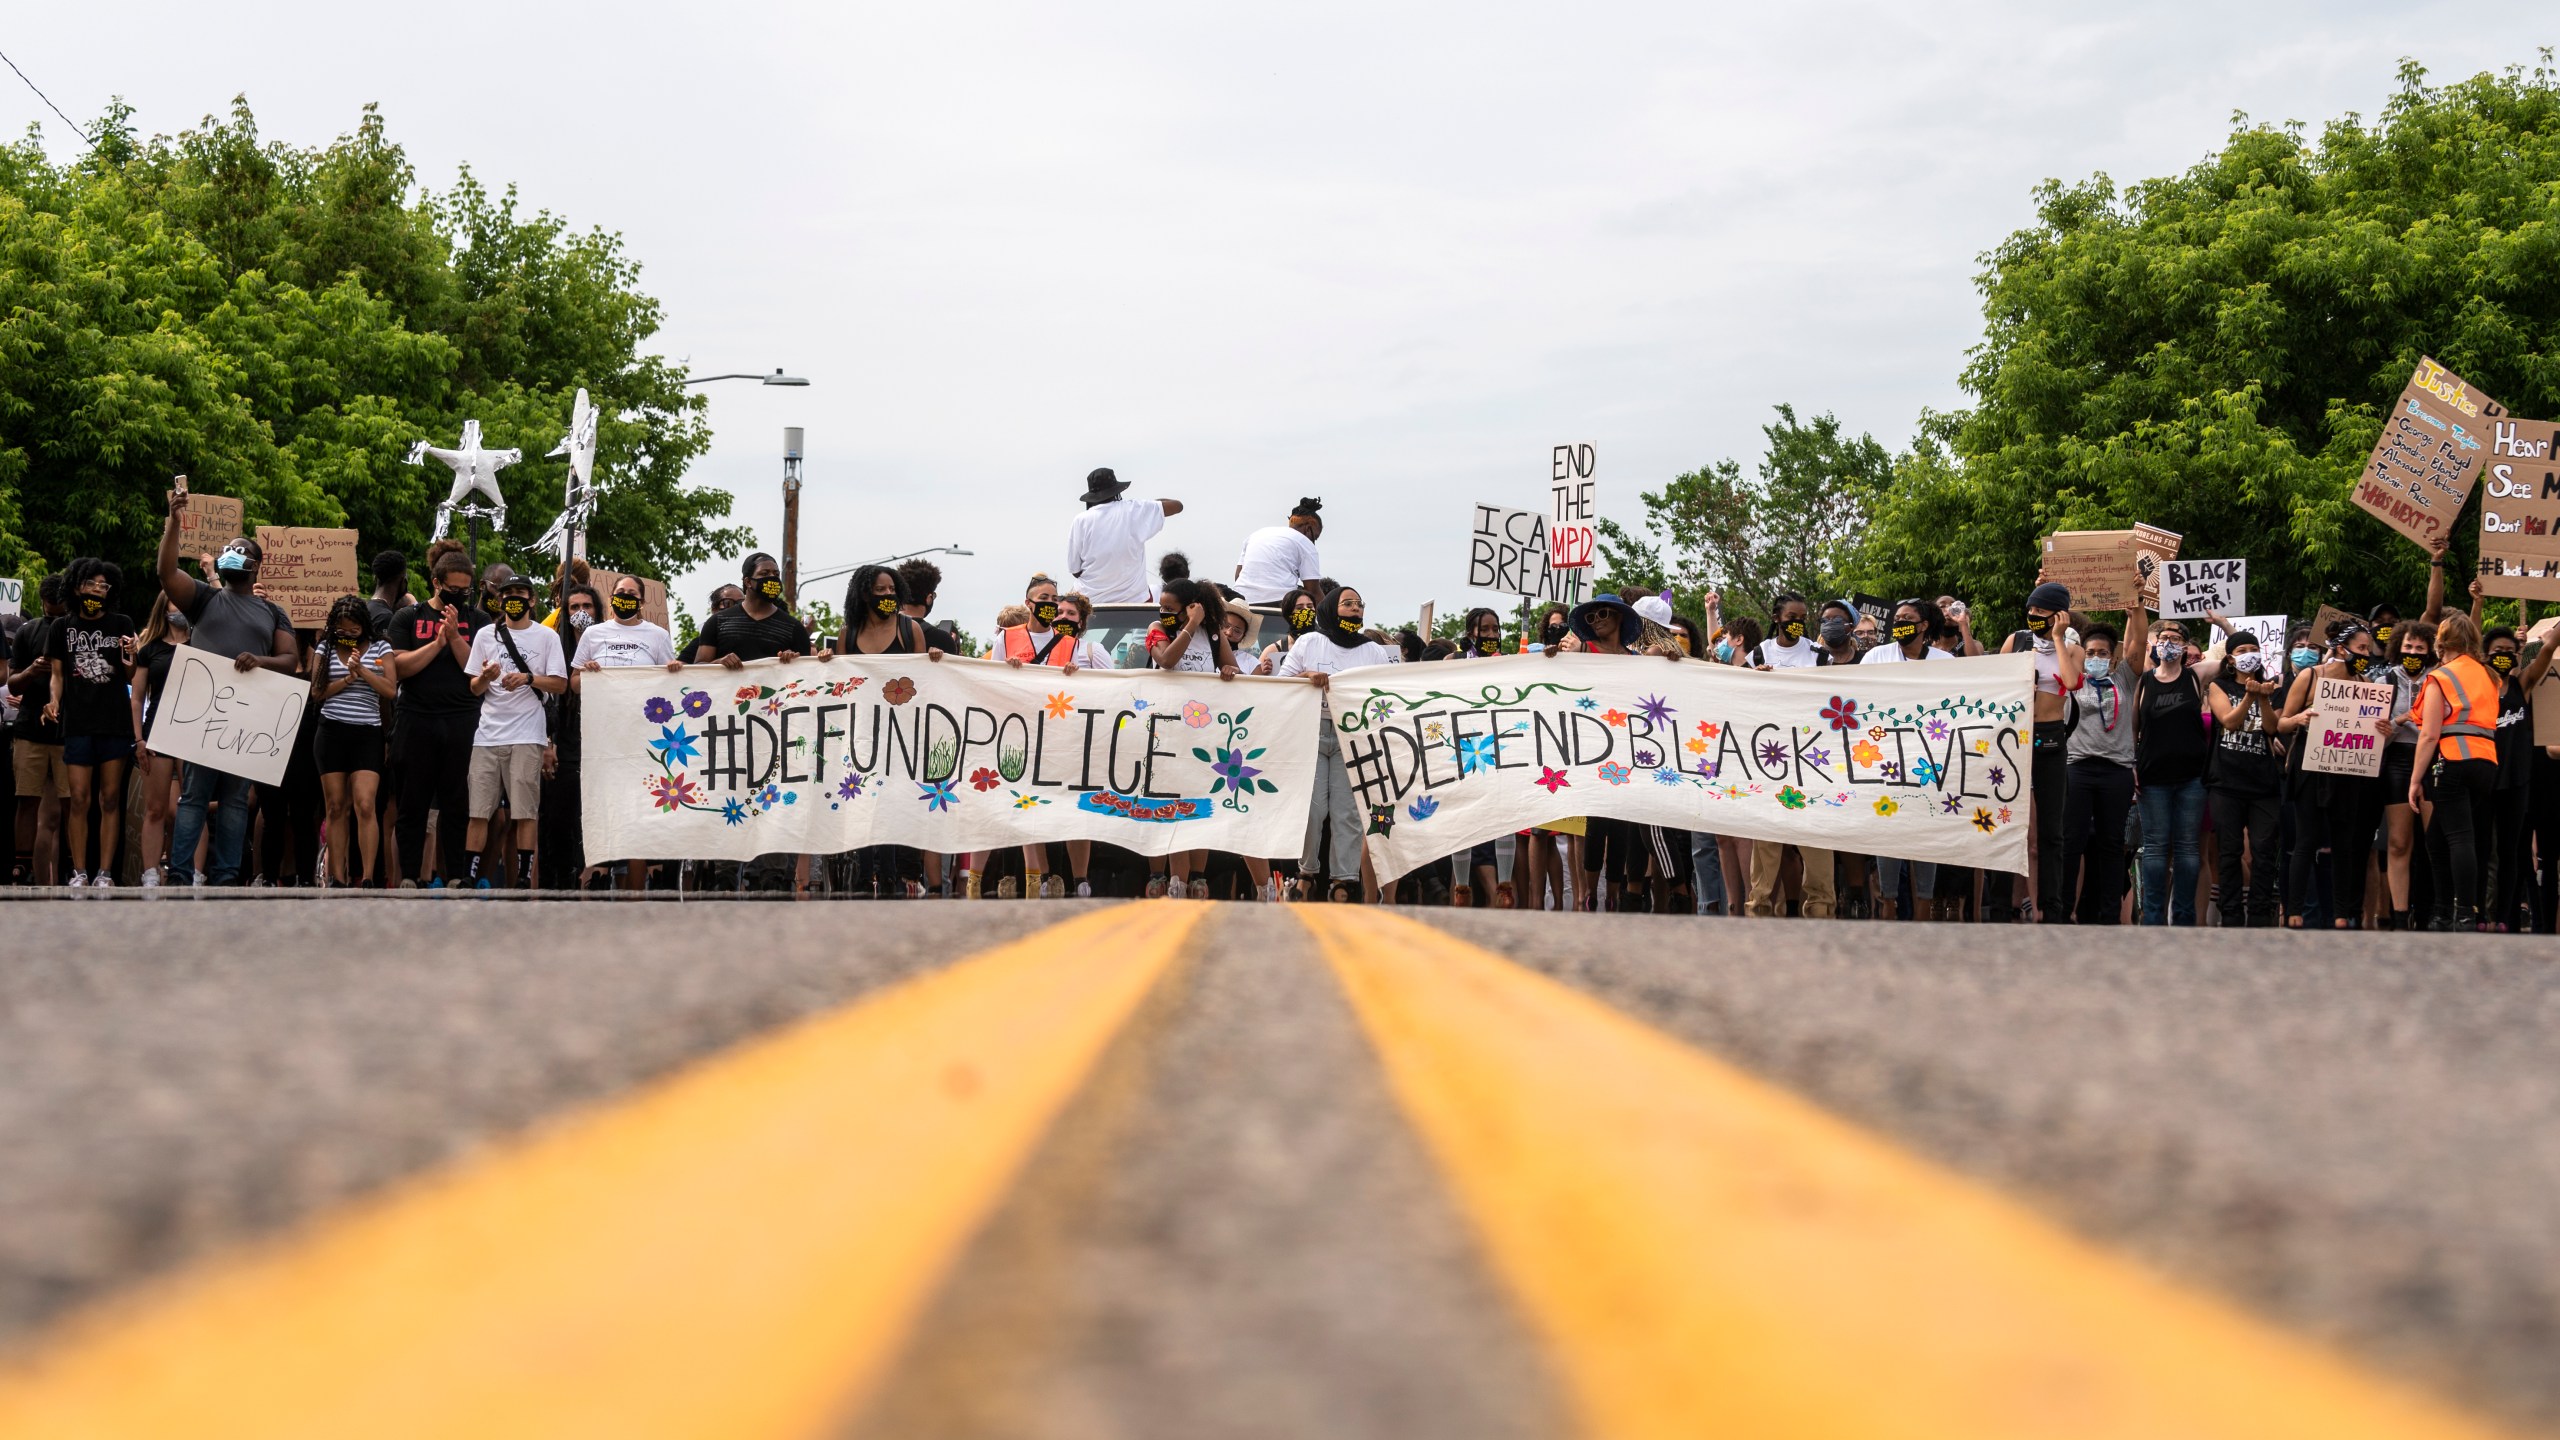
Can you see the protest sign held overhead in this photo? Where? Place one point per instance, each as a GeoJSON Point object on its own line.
{"type": "Point", "coordinates": [2430, 454]}
{"type": "Point", "coordinates": [1507, 551]}
{"type": "Point", "coordinates": [2153, 547]}
{"type": "Point", "coordinates": [241, 722]}
{"type": "Point", "coordinates": [2192, 589]}
{"type": "Point", "coordinates": [2520, 510]}
{"type": "Point", "coordinates": [305, 570]}
{"type": "Point", "coordinates": [2097, 566]}
{"type": "Point", "coordinates": [2327, 617]}
{"type": "Point", "coordinates": [2268, 630]}
{"type": "Point", "coordinates": [1924, 761]}
{"type": "Point", "coordinates": [945, 755]}
{"type": "Point", "coordinates": [208, 523]}
{"type": "Point", "coordinates": [2342, 738]}
{"type": "Point", "coordinates": [1573, 536]}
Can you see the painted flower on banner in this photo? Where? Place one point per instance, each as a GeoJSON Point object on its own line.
{"type": "Point", "coordinates": [674, 745]}
{"type": "Point", "coordinates": [1773, 755]}
{"type": "Point", "coordinates": [1710, 729]}
{"type": "Point", "coordinates": [1696, 746]}
{"type": "Point", "coordinates": [658, 709]}
{"type": "Point", "coordinates": [850, 787]}
{"type": "Point", "coordinates": [1615, 717]}
{"type": "Point", "coordinates": [1477, 752]}
{"type": "Point", "coordinates": [936, 794]}
{"type": "Point", "coordinates": [1380, 707]}
{"type": "Point", "coordinates": [1587, 703]}
{"type": "Point", "coordinates": [673, 792]}
{"type": "Point", "coordinates": [1656, 710]}
{"type": "Point", "coordinates": [1998, 777]}
{"type": "Point", "coordinates": [1935, 729]}
{"type": "Point", "coordinates": [1817, 755]}
{"type": "Point", "coordinates": [734, 811]}
{"type": "Point", "coordinates": [1553, 779]}
{"type": "Point", "coordinates": [1982, 821]}
{"type": "Point", "coordinates": [1234, 776]}
{"type": "Point", "coordinates": [1865, 753]}
{"type": "Point", "coordinates": [770, 796]}
{"type": "Point", "coordinates": [1028, 802]}
{"type": "Point", "coordinates": [1194, 714]}
{"type": "Point", "coordinates": [1614, 773]}
{"type": "Point", "coordinates": [1791, 797]}
{"type": "Point", "coordinates": [1891, 770]}
{"type": "Point", "coordinates": [1423, 808]}
{"type": "Point", "coordinates": [1060, 705]}
{"type": "Point", "coordinates": [1841, 714]}
{"type": "Point", "coordinates": [773, 705]}
{"type": "Point", "coordinates": [985, 779]}
{"type": "Point", "coordinates": [1666, 777]}
{"type": "Point", "coordinates": [697, 703]}
{"type": "Point", "coordinates": [1887, 805]}
{"type": "Point", "coordinates": [1927, 772]}
{"type": "Point", "coordinates": [1950, 804]}
{"type": "Point", "coordinates": [747, 693]}
{"type": "Point", "coordinates": [1875, 732]}
{"type": "Point", "coordinates": [898, 691]}
{"type": "Point", "coordinates": [1382, 819]}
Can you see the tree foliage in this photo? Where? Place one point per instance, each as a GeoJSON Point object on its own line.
{"type": "Point", "coordinates": [2213, 352]}
{"type": "Point", "coordinates": [281, 323]}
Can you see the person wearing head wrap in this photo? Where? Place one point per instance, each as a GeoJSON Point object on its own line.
{"type": "Point", "coordinates": [1278, 558]}
{"type": "Point", "coordinates": [1107, 544]}
{"type": "Point", "coordinates": [1335, 645]}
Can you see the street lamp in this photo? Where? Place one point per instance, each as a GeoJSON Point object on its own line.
{"type": "Point", "coordinates": [776, 378]}
{"type": "Point", "coordinates": [790, 480]}
{"type": "Point", "coordinates": [891, 560]}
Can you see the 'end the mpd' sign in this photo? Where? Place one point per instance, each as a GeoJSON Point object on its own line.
{"type": "Point", "coordinates": [1573, 537]}
{"type": "Point", "coordinates": [1507, 552]}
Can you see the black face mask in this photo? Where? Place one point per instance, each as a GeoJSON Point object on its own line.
{"type": "Point", "coordinates": [514, 607]}
{"type": "Point", "coordinates": [2039, 624]}
{"type": "Point", "coordinates": [770, 587]}
{"type": "Point", "coordinates": [1554, 632]}
{"type": "Point", "coordinates": [455, 598]}
{"type": "Point", "coordinates": [1348, 624]}
{"type": "Point", "coordinates": [1902, 633]}
{"type": "Point", "coordinates": [626, 606]}
{"type": "Point", "coordinates": [1170, 620]}
{"type": "Point", "coordinates": [1045, 612]}
{"type": "Point", "coordinates": [349, 642]}
{"type": "Point", "coordinates": [2382, 636]}
{"type": "Point", "coordinates": [2502, 663]}
{"type": "Point", "coordinates": [1793, 630]}
{"type": "Point", "coordinates": [1068, 628]}
{"type": "Point", "coordinates": [91, 607]}
{"type": "Point", "coordinates": [2359, 664]}
{"type": "Point", "coordinates": [885, 604]}
{"type": "Point", "coordinates": [1834, 631]}
{"type": "Point", "coordinates": [2414, 664]}
{"type": "Point", "coordinates": [1302, 619]}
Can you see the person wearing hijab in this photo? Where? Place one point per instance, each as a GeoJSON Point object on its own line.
{"type": "Point", "coordinates": [1298, 610]}
{"type": "Point", "coordinates": [1279, 558]}
{"type": "Point", "coordinates": [1335, 644]}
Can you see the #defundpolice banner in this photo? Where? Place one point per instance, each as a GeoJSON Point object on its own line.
{"type": "Point", "coordinates": [1924, 761]}
{"type": "Point", "coordinates": [949, 755]}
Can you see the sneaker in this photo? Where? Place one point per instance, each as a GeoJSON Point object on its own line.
{"type": "Point", "coordinates": [1084, 889]}
{"type": "Point", "coordinates": [408, 884]}
{"type": "Point", "coordinates": [102, 881]}
{"type": "Point", "coordinates": [1008, 888]}
{"type": "Point", "coordinates": [1053, 887]}
{"type": "Point", "coordinates": [196, 881]}
{"type": "Point", "coordinates": [482, 884]}
{"type": "Point", "coordinates": [151, 878]}
{"type": "Point", "coordinates": [79, 881]}
{"type": "Point", "coordinates": [435, 884]}
{"type": "Point", "coordinates": [261, 883]}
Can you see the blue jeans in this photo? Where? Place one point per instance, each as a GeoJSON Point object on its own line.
{"type": "Point", "coordinates": [1703, 854]}
{"type": "Point", "coordinates": [230, 828]}
{"type": "Point", "coordinates": [2172, 827]}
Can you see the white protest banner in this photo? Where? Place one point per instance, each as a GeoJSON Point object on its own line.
{"type": "Point", "coordinates": [1507, 551]}
{"type": "Point", "coordinates": [1573, 535]}
{"type": "Point", "coordinates": [10, 590]}
{"type": "Point", "coordinates": [944, 755]}
{"type": "Point", "coordinates": [241, 722]}
{"type": "Point", "coordinates": [2269, 630]}
{"type": "Point", "coordinates": [2191, 588]}
{"type": "Point", "coordinates": [1926, 762]}
{"type": "Point", "coordinates": [2341, 738]}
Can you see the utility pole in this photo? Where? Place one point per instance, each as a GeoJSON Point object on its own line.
{"type": "Point", "coordinates": [791, 516]}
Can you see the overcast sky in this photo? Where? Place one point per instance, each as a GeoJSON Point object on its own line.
{"type": "Point", "coordinates": [1388, 255]}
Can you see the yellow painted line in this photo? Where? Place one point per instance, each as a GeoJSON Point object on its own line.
{"type": "Point", "coordinates": [736, 1251]}
{"type": "Point", "coordinates": [1707, 1254]}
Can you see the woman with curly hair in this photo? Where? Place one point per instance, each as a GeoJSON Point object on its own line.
{"type": "Point", "coordinates": [92, 653]}
{"type": "Point", "coordinates": [351, 678]}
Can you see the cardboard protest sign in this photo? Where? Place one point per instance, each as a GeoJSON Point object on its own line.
{"type": "Point", "coordinates": [2546, 709]}
{"type": "Point", "coordinates": [1924, 761]}
{"type": "Point", "coordinates": [2269, 630]}
{"type": "Point", "coordinates": [1430, 609]}
{"type": "Point", "coordinates": [2520, 510]}
{"type": "Point", "coordinates": [10, 596]}
{"type": "Point", "coordinates": [241, 722]}
{"type": "Point", "coordinates": [2341, 738]}
{"type": "Point", "coordinates": [2432, 445]}
{"type": "Point", "coordinates": [2191, 588]}
{"type": "Point", "coordinates": [208, 523]}
{"type": "Point", "coordinates": [653, 594]}
{"type": "Point", "coordinates": [2153, 547]}
{"type": "Point", "coordinates": [2324, 618]}
{"type": "Point", "coordinates": [1573, 536]}
{"type": "Point", "coordinates": [2096, 566]}
{"type": "Point", "coordinates": [819, 756]}
{"type": "Point", "coordinates": [1507, 551]}
{"type": "Point", "coordinates": [305, 570]}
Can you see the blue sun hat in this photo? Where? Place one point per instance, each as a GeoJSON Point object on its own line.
{"type": "Point", "coordinates": [1630, 624]}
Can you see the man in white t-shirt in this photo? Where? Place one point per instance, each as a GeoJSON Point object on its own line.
{"type": "Point", "coordinates": [1107, 546]}
{"type": "Point", "coordinates": [624, 640]}
{"type": "Point", "coordinates": [1279, 558]}
{"type": "Point", "coordinates": [513, 664]}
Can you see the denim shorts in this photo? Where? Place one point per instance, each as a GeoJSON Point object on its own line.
{"type": "Point", "coordinates": [96, 749]}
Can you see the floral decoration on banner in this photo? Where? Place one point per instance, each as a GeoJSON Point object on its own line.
{"type": "Point", "coordinates": [1231, 773]}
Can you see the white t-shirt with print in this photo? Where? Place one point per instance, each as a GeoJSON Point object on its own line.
{"type": "Point", "coordinates": [1314, 654]}
{"type": "Point", "coordinates": [1107, 550]}
{"type": "Point", "coordinates": [1890, 654]}
{"type": "Point", "coordinates": [514, 717]}
{"type": "Point", "coordinates": [1276, 560]}
{"type": "Point", "coordinates": [1803, 654]}
{"type": "Point", "coordinates": [614, 645]}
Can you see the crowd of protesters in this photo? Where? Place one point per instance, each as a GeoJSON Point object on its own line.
{"type": "Point", "coordinates": [440, 750]}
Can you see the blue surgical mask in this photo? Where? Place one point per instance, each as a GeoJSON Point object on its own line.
{"type": "Point", "coordinates": [1724, 652]}
{"type": "Point", "coordinates": [232, 560]}
{"type": "Point", "coordinates": [2304, 657]}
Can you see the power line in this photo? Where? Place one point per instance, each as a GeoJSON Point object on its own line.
{"type": "Point", "coordinates": [47, 99]}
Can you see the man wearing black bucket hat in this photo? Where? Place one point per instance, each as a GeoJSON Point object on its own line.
{"type": "Point", "coordinates": [1107, 546]}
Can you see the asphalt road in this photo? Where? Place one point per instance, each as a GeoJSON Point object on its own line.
{"type": "Point", "coordinates": [1230, 1230]}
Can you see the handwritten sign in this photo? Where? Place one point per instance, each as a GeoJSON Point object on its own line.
{"type": "Point", "coordinates": [2326, 617]}
{"type": "Point", "coordinates": [241, 722]}
{"type": "Point", "coordinates": [1507, 551]}
{"type": "Point", "coordinates": [208, 523]}
{"type": "Point", "coordinates": [2546, 707]}
{"type": "Point", "coordinates": [2432, 446]}
{"type": "Point", "coordinates": [2520, 510]}
{"type": "Point", "coordinates": [653, 594]}
{"type": "Point", "coordinates": [1573, 537]}
{"type": "Point", "coordinates": [11, 594]}
{"type": "Point", "coordinates": [2190, 588]}
{"type": "Point", "coordinates": [2097, 566]}
{"type": "Point", "coordinates": [306, 569]}
{"type": "Point", "coordinates": [2269, 631]}
{"type": "Point", "coordinates": [2341, 739]}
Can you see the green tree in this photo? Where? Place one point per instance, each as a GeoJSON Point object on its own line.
{"type": "Point", "coordinates": [2213, 352]}
{"type": "Point", "coordinates": [1793, 525]}
{"type": "Point", "coordinates": [280, 323]}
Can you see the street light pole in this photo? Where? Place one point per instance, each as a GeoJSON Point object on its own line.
{"type": "Point", "coordinates": [791, 516]}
